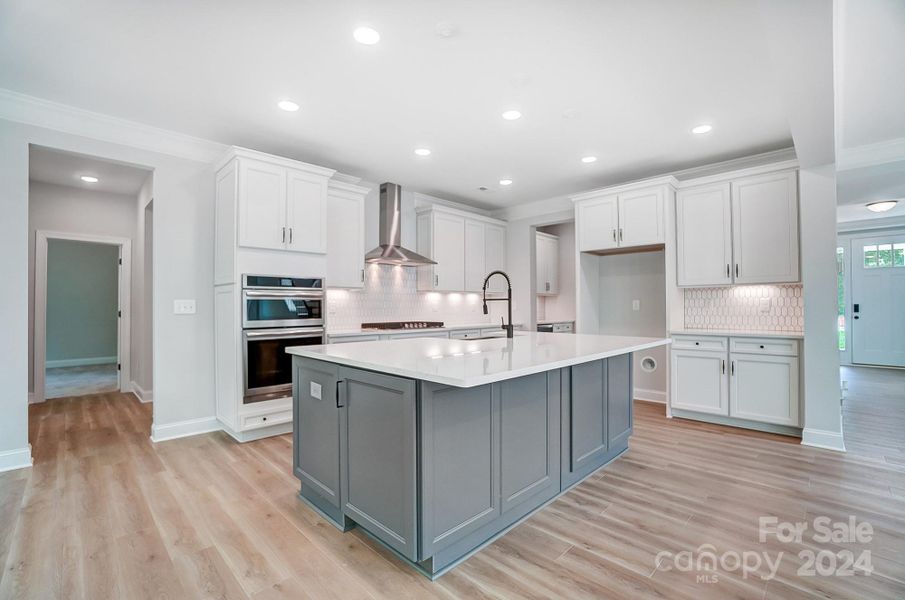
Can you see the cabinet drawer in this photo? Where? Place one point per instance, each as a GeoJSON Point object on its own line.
{"type": "Point", "coordinates": [773, 346]}
{"type": "Point", "coordinates": [266, 420]}
{"type": "Point", "coordinates": [348, 339]}
{"type": "Point", "coordinates": [700, 342]}
{"type": "Point", "coordinates": [465, 334]}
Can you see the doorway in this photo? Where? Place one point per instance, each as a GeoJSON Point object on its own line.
{"type": "Point", "coordinates": [82, 285]}
{"type": "Point", "coordinates": [878, 300]}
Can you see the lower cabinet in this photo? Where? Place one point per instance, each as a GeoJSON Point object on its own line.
{"type": "Point", "coordinates": [699, 381]}
{"type": "Point", "coordinates": [764, 388]}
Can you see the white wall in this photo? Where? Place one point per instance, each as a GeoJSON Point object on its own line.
{"type": "Point", "coordinates": [561, 307]}
{"type": "Point", "coordinates": [823, 413]}
{"type": "Point", "coordinates": [183, 236]}
{"type": "Point", "coordinates": [82, 300]}
{"type": "Point", "coordinates": [142, 289]}
{"type": "Point", "coordinates": [71, 210]}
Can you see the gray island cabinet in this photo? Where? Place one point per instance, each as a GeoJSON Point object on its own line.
{"type": "Point", "coordinates": [434, 470]}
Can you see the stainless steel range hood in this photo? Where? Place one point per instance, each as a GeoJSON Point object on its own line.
{"type": "Point", "coordinates": [390, 250]}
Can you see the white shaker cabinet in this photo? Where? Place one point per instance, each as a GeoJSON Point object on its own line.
{"type": "Point", "coordinates": [700, 382]}
{"type": "Point", "coordinates": [345, 235]}
{"type": "Point", "coordinates": [441, 237]}
{"type": "Point", "coordinates": [262, 205]}
{"type": "Point", "coordinates": [642, 221]}
{"type": "Point", "coordinates": [704, 236]}
{"type": "Point", "coordinates": [494, 256]}
{"type": "Point", "coordinates": [764, 388]}
{"type": "Point", "coordinates": [765, 228]}
{"type": "Point", "coordinates": [475, 240]}
{"type": "Point", "coordinates": [598, 223]}
{"type": "Point", "coordinates": [625, 217]}
{"type": "Point", "coordinates": [547, 263]}
{"type": "Point", "coordinates": [306, 212]}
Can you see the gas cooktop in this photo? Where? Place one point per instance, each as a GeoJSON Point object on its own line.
{"type": "Point", "coordinates": [403, 325]}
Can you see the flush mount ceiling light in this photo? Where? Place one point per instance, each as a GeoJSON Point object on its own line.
{"type": "Point", "coordinates": [702, 129]}
{"type": "Point", "coordinates": [366, 36]}
{"type": "Point", "coordinates": [88, 179]}
{"type": "Point", "coordinates": [881, 206]}
{"type": "Point", "coordinates": [505, 182]}
{"type": "Point", "coordinates": [512, 115]}
{"type": "Point", "coordinates": [422, 151]}
{"type": "Point", "coordinates": [589, 159]}
{"type": "Point", "coordinates": [288, 105]}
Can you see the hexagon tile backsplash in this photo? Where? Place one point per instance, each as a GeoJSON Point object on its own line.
{"type": "Point", "coordinates": [758, 307]}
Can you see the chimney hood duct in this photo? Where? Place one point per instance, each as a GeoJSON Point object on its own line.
{"type": "Point", "coordinates": [390, 250]}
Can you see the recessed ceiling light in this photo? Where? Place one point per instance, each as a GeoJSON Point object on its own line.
{"type": "Point", "coordinates": [422, 151]}
{"type": "Point", "coordinates": [366, 35]}
{"type": "Point", "coordinates": [702, 129]}
{"type": "Point", "coordinates": [881, 206]}
{"type": "Point", "coordinates": [88, 179]}
{"type": "Point", "coordinates": [512, 115]}
{"type": "Point", "coordinates": [589, 159]}
{"type": "Point", "coordinates": [288, 105]}
{"type": "Point", "coordinates": [505, 182]}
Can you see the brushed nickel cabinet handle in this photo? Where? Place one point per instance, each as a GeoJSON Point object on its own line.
{"type": "Point", "coordinates": [736, 270]}
{"type": "Point", "coordinates": [283, 240]}
{"type": "Point", "coordinates": [724, 366]}
{"type": "Point", "coordinates": [290, 235]}
{"type": "Point", "coordinates": [620, 234]}
{"type": "Point", "coordinates": [614, 235]}
{"type": "Point", "coordinates": [727, 270]}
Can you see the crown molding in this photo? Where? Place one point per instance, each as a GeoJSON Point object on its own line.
{"type": "Point", "coordinates": [870, 154]}
{"type": "Point", "coordinates": [785, 156]}
{"type": "Point", "coordinates": [234, 152]}
{"type": "Point", "coordinates": [30, 110]}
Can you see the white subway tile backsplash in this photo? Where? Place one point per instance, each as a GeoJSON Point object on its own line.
{"type": "Point", "coordinates": [764, 307]}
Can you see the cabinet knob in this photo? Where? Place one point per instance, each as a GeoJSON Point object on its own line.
{"type": "Point", "coordinates": [762, 346]}
{"type": "Point", "coordinates": [697, 343]}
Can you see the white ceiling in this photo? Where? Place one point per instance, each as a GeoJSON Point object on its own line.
{"type": "Point", "coordinates": [66, 168]}
{"type": "Point", "coordinates": [856, 187]}
{"type": "Point", "coordinates": [624, 81]}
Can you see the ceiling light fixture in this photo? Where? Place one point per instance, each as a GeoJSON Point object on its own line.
{"type": "Point", "coordinates": [512, 115]}
{"type": "Point", "coordinates": [589, 159]}
{"type": "Point", "coordinates": [366, 36]}
{"type": "Point", "coordinates": [288, 105]}
{"type": "Point", "coordinates": [88, 179]}
{"type": "Point", "coordinates": [881, 206]}
{"type": "Point", "coordinates": [422, 151]}
{"type": "Point", "coordinates": [505, 182]}
{"type": "Point", "coordinates": [702, 129]}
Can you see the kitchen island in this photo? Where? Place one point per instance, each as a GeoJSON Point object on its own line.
{"type": "Point", "coordinates": [435, 446]}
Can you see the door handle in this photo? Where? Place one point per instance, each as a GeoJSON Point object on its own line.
{"type": "Point", "coordinates": [338, 403]}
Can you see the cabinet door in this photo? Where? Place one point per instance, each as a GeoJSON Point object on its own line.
{"type": "Point", "coordinates": [474, 256]}
{"type": "Point", "coordinates": [316, 450]}
{"type": "Point", "coordinates": [700, 382]}
{"type": "Point", "coordinates": [540, 263]}
{"type": "Point", "coordinates": [588, 417]}
{"type": "Point", "coordinates": [765, 228]}
{"type": "Point", "coordinates": [345, 241]}
{"type": "Point", "coordinates": [449, 252]}
{"type": "Point", "coordinates": [704, 236]}
{"type": "Point", "coordinates": [378, 443]}
{"type": "Point", "coordinates": [306, 212]}
{"type": "Point", "coordinates": [494, 256]}
{"type": "Point", "coordinates": [262, 205]}
{"type": "Point", "coordinates": [619, 397]}
{"type": "Point", "coordinates": [764, 388]}
{"type": "Point", "coordinates": [598, 223]}
{"type": "Point", "coordinates": [642, 218]}
{"type": "Point", "coordinates": [551, 258]}
{"type": "Point", "coordinates": [460, 463]}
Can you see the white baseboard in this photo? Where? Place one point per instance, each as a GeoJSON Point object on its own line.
{"type": "Point", "coordinates": [81, 362]}
{"type": "Point", "coordinates": [15, 459]}
{"type": "Point", "coordinates": [650, 395]}
{"type": "Point", "coordinates": [821, 438]}
{"type": "Point", "coordinates": [32, 399]}
{"type": "Point", "coordinates": [142, 394]}
{"type": "Point", "coordinates": [171, 431]}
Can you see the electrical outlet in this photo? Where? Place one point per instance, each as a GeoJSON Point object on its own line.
{"type": "Point", "coordinates": [636, 305]}
{"type": "Point", "coordinates": [183, 307]}
{"type": "Point", "coordinates": [764, 305]}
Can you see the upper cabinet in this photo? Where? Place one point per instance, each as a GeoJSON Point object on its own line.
{"type": "Point", "coordinates": [547, 263]}
{"type": "Point", "coordinates": [466, 248]}
{"type": "Point", "coordinates": [345, 235]}
{"type": "Point", "coordinates": [625, 219]}
{"type": "Point", "coordinates": [741, 231]}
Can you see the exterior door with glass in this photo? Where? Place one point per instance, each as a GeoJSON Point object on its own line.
{"type": "Point", "coordinates": [878, 300]}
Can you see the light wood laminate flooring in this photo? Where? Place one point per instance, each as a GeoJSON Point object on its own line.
{"type": "Point", "coordinates": [104, 513]}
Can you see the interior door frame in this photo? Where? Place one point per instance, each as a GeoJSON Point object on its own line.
{"type": "Point", "coordinates": [124, 285]}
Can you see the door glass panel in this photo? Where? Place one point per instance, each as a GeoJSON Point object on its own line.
{"type": "Point", "coordinates": [870, 257]}
{"type": "Point", "coordinates": [898, 255]}
{"type": "Point", "coordinates": [282, 309]}
{"type": "Point", "coordinates": [884, 255]}
{"type": "Point", "coordinates": [269, 365]}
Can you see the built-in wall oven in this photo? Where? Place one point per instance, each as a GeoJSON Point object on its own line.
{"type": "Point", "coordinates": [277, 313]}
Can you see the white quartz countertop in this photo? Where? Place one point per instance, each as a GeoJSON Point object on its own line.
{"type": "Point", "coordinates": [354, 331]}
{"type": "Point", "coordinates": [468, 363]}
{"type": "Point", "coordinates": [795, 335]}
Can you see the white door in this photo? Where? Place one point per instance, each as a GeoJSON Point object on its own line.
{"type": "Point", "coordinates": [306, 212]}
{"type": "Point", "coordinates": [598, 224]}
{"type": "Point", "coordinates": [764, 388]}
{"type": "Point", "coordinates": [449, 252]}
{"type": "Point", "coordinates": [262, 205]}
{"type": "Point", "coordinates": [495, 256]}
{"type": "Point", "coordinates": [700, 381]}
{"type": "Point", "coordinates": [474, 256]}
{"type": "Point", "coordinates": [641, 219]}
{"type": "Point", "coordinates": [878, 300]}
{"type": "Point", "coordinates": [345, 240]}
{"type": "Point", "coordinates": [765, 228]}
{"type": "Point", "coordinates": [546, 263]}
{"type": "Point", "coordinates": [704, 236]}
{"type": "Point", "coordinates": [551, 255]}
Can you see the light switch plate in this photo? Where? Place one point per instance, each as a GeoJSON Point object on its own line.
{"type": "Point", "coordinates": [636, 305]}
{"type": "Point", "coordinates": [184, 307]}
{"type": "Point", "coordinates": [316, 390]}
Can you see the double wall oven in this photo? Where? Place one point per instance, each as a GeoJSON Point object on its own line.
{"type": "Point", "coordinates": [277, 313]}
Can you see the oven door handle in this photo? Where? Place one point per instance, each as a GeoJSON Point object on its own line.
{"type": "Point", "coordinates": [280, 295]}
{"type": "Point", "coordinates": [308, 332]}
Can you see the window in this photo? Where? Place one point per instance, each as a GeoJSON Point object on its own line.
{"type": "Point", "coordinates": [898, 255]}
{"type": "Point", "coordinates": [879, 256]}
{"type": "Point", "coordinates": [840, 296]}
{"type": "Point", "coordinates": [870, 257]}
